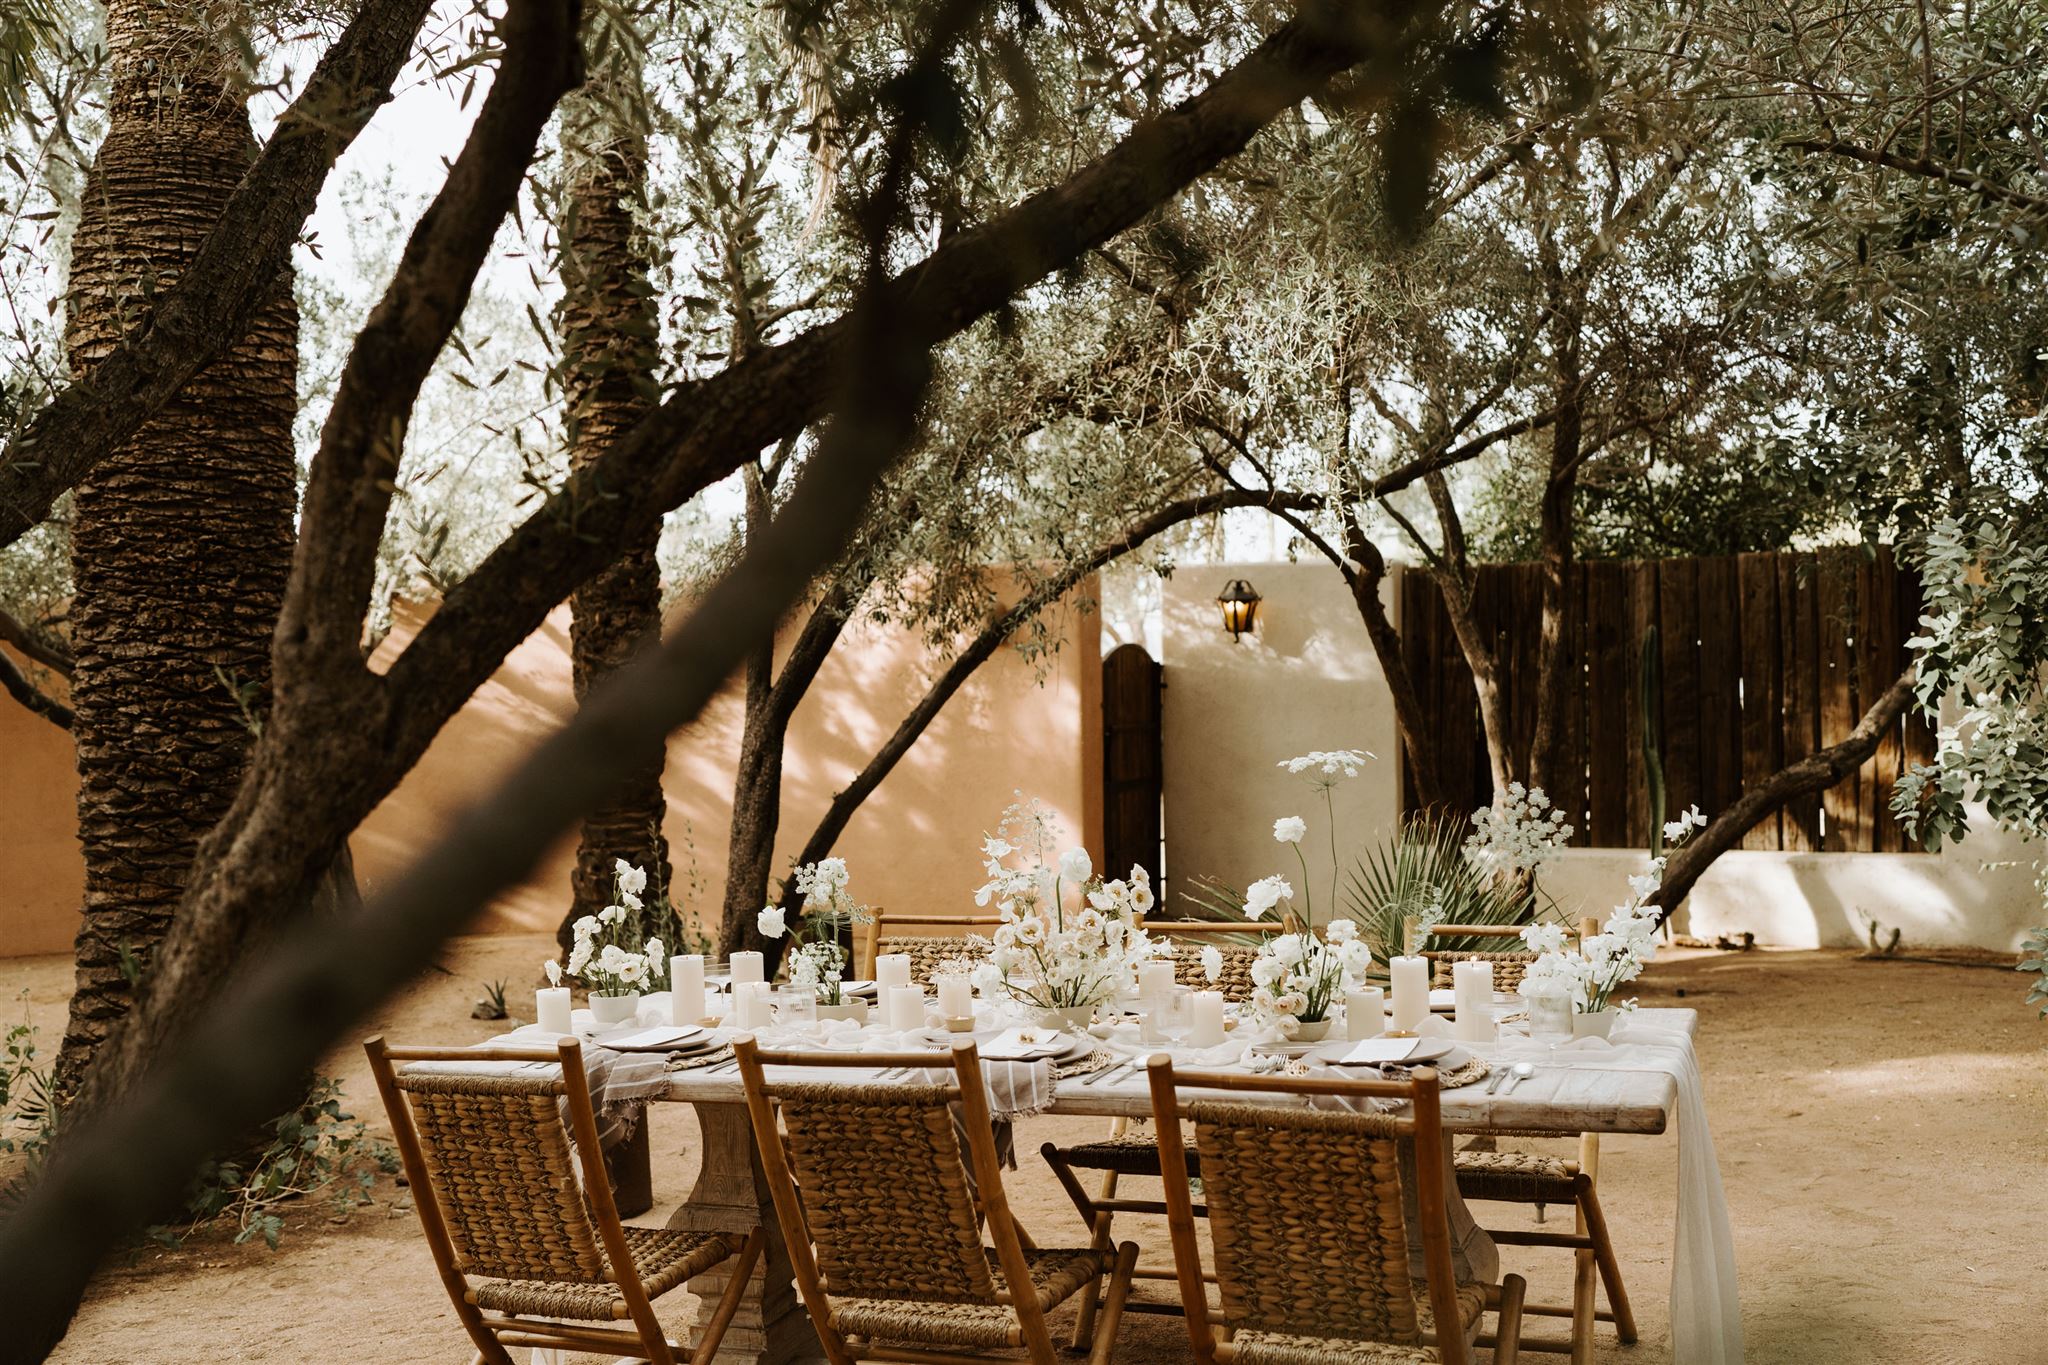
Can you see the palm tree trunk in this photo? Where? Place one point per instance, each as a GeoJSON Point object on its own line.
{"type": "Point", "coordinates": [182, 538]}
{"type": "Point", "coordinates": [608, 334]}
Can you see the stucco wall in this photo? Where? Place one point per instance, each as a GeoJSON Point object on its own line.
{"type": "Point", "coordinates": [1306, 679]}
{"type": "Point", "coordinates": [913, 847]}
{"type": "Point", "coordinates": [42, 874]}
{"type": "Point", "coordinates": [1309, 681]}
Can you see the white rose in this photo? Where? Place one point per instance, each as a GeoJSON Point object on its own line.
{"type": "Point", "coordinates": [1076, 866]}
{"type": "Point", "coordinates": [632, 969]}
{"type": "Point", "coordinates": [987, 978]}
{"type": "Point", "coordinates": [1288, 950]}
{"type": "Point", "coordinates": [772, 921]}
{"type": "Point", "coordinates": [656, 952]}
{"type": "Point", "coordinates": [1141, 897]}
{"type": "Point", "coordinates": [1342, 931]}
{"type": "Point", "coordinates": [1264, 894]}
{"type": "Point", "coordinates": [1290, 829]}
{"type": "Point", "coordinates": [1266, 971]}
{"type": "Point", "coordinates": [579, 956]}
{"type": "Point", "coordinates": [586, 927]}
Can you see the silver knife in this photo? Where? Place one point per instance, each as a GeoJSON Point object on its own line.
{"type": "Point", "coordinates": [1108, 1073]}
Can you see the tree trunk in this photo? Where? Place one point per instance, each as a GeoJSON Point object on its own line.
{"type": "Point", "coordinates": [1409, 718]}
{"type": "Point", "coordinates": [1560, 493]}
{"type": "Point", "coordinates": [609, 332]}
{"type": "Point", "coordinates": [183, 537]}
{"type": "Point", "coordinates": [1453, 577]}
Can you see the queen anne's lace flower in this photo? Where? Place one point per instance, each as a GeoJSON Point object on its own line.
{"type": "Point", "coordinates": [1326, 768]}
{"type": "Point", "coordinates": [1290, 829]}
{"type": "Point", "coordinates": [1518, 834]}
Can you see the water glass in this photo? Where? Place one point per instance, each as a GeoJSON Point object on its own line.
{"type": "Point", "coordinates": [1550, 1011]}
{"type": "Point", "coordinates": [795, 1006]}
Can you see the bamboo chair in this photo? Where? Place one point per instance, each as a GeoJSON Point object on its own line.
{"type": "Point", "coordinates": [883, 1216]}
{"type": "Point", "coordinates": [1308, 1226]}
{"type": "Point", "coordinates": [940, 939]}
{"type": "Point", "coordinates": [1534, 1178]}
{"type": "Point", "coordinates": [494, 1169]}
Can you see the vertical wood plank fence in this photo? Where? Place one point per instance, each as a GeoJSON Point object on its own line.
{"type": "Point", "coordinates": [1761, 660]}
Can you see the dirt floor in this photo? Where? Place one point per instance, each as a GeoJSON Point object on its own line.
{"type": "Point", "coordinates": [1878, 1126]}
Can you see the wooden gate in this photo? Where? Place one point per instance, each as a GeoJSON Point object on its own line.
{"type": "Point", "coordinates": [1132, 763]}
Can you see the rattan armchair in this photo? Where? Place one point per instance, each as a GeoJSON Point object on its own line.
{"type": "Point", "coordinates": [938, 939]}
{"type": "Point", "coordinates": [1308, 1226]}
{"type": "Point", "coordinates": [1541, 1180]}
{"type": "Point", "coordinates": [883, 1215]}
{"type": "Point", "coordinates": [519, 1215]}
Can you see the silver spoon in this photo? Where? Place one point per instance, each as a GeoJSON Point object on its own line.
{"type": "Point", "coordinates": [1522, 1071]}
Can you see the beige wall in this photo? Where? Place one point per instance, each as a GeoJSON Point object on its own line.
{"type": "Point", "coordinates": [1310, 682]}
{"type": "Point", "coordinates": [914, 845]}
{"type": "Point", "coordinates": [1305, 679]}
{"type": "Point", "coordinates": [42, 876]}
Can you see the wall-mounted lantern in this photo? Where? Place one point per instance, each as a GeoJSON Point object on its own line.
{"type": "Point", "coordinates": [1240, 603]}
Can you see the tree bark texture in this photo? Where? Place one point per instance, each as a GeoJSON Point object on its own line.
{"type": "Point", "coordinates": [609, 341]}
{"type": "Point", "coordinates": [321, 768]}
{"type": "Point", "coordinates": [183, 535]}
{"type": "Point", "coordinates": [1452, 571]}
{"type": "Point", "coordinates": [1560, 494]}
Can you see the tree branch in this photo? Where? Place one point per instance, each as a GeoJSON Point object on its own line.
{"type": "Point", "coordinates": [19, 687]}
{"type": "Point", "coordinates": [210, 304]}
{"type": "Point", "coordinates": [33, 647]}
{"type": "Point", "coordinates": [1923, 166]}
{"type": "Point", "coordinates": [355, 472]}
{"type": "Point", "coordinates": [1816, 772]}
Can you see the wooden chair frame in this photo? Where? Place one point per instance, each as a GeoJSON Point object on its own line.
{"type": "Point", "coordinates": [867, 937]}
{"type": "Point", "coordinates": [493, 1334]}
{"type": "Point", "coordinates": [994, 1208]}
{"type": "Point", "coordinates": [1423, 1126]}
{"type": "Point", "coordinates": [1592, 1247]}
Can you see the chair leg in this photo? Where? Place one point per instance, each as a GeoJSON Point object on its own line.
{"type": "Point", "coordinates": [1609, 1265]}
{"type": "Point", "coordinates": [1113, 1304]}
{"type": "Point", "coordinates": [729, 1302]}
{"type": "Point", "coordinates": [1098, 1240]}
{"type": "Point", "coordinates": [1507, 1328]}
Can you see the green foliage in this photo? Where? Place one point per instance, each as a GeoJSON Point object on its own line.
{"type": "Point", "coordinates": [1422, 873]}
{"type": "Point", "coordinates": [2036, 961]}
{"type": "Point", "coordinates": [28, 1104]}
{"type": "Point", "coordinates": [316, 1149]}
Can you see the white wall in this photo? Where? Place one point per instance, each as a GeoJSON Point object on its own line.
{"type": "Point", "coordinates": [1306, 679]}
{"type": "Point", "coordinates": [1309, 681]}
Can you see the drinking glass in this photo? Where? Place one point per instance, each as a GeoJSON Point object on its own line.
{"type": "Point", "coordinates": [1550, 1011]}
{"type": "Point", "coordinates": [795, 1006]}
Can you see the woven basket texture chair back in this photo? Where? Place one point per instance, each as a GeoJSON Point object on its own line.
{"type": "Point", "coordinates": [903, 1227]}
{"type": "Point", "coordinates": [504, 1175]}
{"type": "Point", "coordinates": [929, 952]}
{"type": "Point", "coordinates": [1508, 968]}
{"type": "Point", "coordinates": [1235, 980]}
{"type": "Point", "coordinates": [1305, 1217]}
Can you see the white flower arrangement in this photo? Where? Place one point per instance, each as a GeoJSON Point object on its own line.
{"type": "Point", "coordinates": [1298, 977]}
{"type": "Point", "coordinates": [600, 957]}
{"type": "Point", "coordinates": [817, 959]}
{"type": "Point", "coordinates": [1604, 962]}
{"type": "Point", "coordinates": [1519, 833]}
{"type": "Point", "coordinates": [1069, 939]}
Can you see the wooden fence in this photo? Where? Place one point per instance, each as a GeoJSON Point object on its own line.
{"type": "Point", "coordinates": [1763, 659]}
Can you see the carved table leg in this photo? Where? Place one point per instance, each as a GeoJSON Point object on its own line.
{"type": "Point", "coordinates": [731, 1195]}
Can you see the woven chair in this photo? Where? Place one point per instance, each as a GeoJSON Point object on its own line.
{"type": "Point", "coordinates": [883, 1215]}
{"type": "Point", "coordinates": [1534, 1178]}
{"type": "Point", "coordinates": [1308, 1225]}
{"type": "Point", "coordinates": [1123, 1152]}
{"type": "Point", "coordinates": [517, 1240]}
{"type": "Point", "coordinates": [938, 940]}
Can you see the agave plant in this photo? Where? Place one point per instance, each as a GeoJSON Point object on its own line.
{"type": "Point", "coordinates": [1422, 874]}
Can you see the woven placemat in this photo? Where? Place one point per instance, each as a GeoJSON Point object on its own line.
{"type": "Point", "coordinates": [1098, 1060]}
{"type": "Point", "coordinates": [691, 1062]}
{"type": "Point", "coordinates": [1470, 1073]}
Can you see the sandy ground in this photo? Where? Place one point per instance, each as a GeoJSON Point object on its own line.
{"type": "Point", "coordinates": [1877, 1124]}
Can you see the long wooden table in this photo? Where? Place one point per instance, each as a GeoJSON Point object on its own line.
{"type": "Point", "coordinates": [771, 1326]}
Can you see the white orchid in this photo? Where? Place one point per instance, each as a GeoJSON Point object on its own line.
{"type": "Point", "coordinates": [1212, 963]}
{"type": "Point", "coordinates": [630, 879]}
{"type": "Point", "coordinates": [1290, 829]}
{"type": "Point", "coordinates": [554, 971]}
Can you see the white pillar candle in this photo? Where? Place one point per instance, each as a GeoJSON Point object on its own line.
{"type": "Point", "coordinates": [1365, 1013]}
{"type": "Point", "coordinates": [551, 1008]}
{"type": "Point", "coordinates": [1205, 1019]}
{"type": "Point", "coordinates": [1472, 983]}
{"type": "Point", "coordinates": [891, 970]}
{"type": "Point", "coordinates": [1411, 991]}
{"type": "Point", "coordinates": [1155, 980]}
{"type": "Point", "coordinates": [686, 988]}
{"type": "Point", "coordinates": [750, 1004]}
{"type": "Point", "coordinates": [746, 967]}
{"type": "Point", "coordinates": [906, 1008]}
{"type": "Point", "coordinates": [956, 996]}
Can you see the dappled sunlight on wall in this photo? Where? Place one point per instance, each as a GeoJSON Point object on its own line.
{"type": "Point", "coordinates": [42, 873]}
